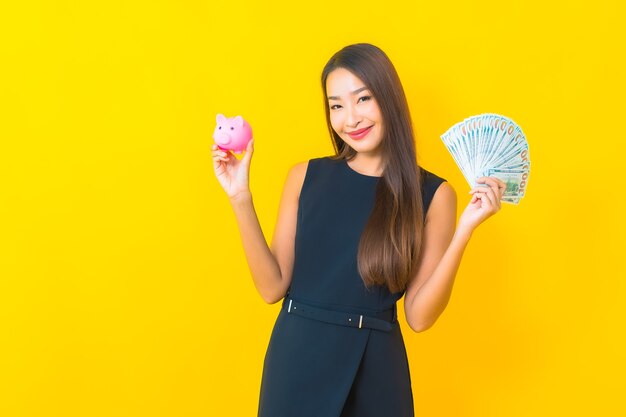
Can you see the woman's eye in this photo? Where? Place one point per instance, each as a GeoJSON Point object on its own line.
{"type": "Point", "coordinates": [365, 97]}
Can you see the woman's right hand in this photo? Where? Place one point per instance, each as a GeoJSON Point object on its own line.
{"type": "Point", "coordinates": [232, 173]}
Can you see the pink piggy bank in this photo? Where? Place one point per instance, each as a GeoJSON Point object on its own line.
{"type": "Point", "coordinates": [232, 133]}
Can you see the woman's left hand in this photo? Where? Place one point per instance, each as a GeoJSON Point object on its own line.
{"type": "Point", "coordinates": [484, 204]}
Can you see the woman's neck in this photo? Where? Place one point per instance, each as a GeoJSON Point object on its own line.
{"type": "Point", "coordinates": [367, 164]}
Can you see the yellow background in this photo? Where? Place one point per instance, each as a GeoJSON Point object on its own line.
{"type": "Point", "coordinates": [124, 289]}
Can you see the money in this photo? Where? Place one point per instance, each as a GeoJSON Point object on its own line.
{"type": "Point", "coordinates": [491, 145]}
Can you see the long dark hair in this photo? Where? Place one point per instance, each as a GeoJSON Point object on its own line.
{"type": "Point", "coordinates": [392, 238]}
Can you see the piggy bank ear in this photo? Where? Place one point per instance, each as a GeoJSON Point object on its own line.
{"type": "Point", "coordinates": [220, 118]}
{"type": "Point", "coordinates": [238, 121]}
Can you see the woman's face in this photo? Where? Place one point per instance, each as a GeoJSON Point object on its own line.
{"type": "Point", "coordinates": [352, 108]}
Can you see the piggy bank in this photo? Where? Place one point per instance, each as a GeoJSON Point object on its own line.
{"type": "Point", "coordinates": [232, 133]}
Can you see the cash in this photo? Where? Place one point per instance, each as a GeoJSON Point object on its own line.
{"type": "Point", "coordinates": [491, 145]}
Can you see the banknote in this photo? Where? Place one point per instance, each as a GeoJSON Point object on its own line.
{"type": "Point", "coordinates": [491, 145]}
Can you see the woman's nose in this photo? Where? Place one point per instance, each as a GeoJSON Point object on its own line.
{"type": "Point", "coordinates": [352, 117]}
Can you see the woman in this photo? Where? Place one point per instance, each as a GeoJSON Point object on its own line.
{"type": "Point", "coordinates": [355, 232]}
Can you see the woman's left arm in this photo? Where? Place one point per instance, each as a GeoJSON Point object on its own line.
{"type": "Point", "coordinates": [428, 293]}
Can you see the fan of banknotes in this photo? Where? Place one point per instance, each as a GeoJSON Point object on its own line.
{"type": "Point", "coordinates": [491, 145]}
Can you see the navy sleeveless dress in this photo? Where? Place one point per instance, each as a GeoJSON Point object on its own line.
{"type": "Point", "coordinates": [314, 368]}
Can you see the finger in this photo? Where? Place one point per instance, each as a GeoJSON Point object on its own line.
{"type": "Point", "coordinates": [500, 185]}
{"type": "Point", "coordinates": [478, 196]}
{"type": "Point", "coordinates": [249, 151]}
{"type": "Point", "coordinates": [216, 150]}
{"type": "Point", "coordinates": [491, 195]}
{"type": "Point", "coordinates": [216, 162]}
{"type": "Point", "coordinates": [494, 183]}
{"type": "Point", "coordinates": [485, 199]}
{"type": "Point", "coordinates": [221, 154]}
{"type": "Point", "coordinates": [489, 181]}
{"type": "Point", "coordinates": [478, 188]}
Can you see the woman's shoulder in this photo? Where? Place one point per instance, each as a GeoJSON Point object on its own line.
{"type": "Point", "coordinates": [319, 163]}
{"type": "Point", "coordinates": [303, 166]}
{"type": "Point", "coordinates": [314, 161]}
{"type": "Point", "coordinates": [431, 176]}
{"type": "Point", "coordinates": [431, 182]}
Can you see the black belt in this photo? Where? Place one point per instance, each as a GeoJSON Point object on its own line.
{"type": "Point", "coordinates": [384, 320]}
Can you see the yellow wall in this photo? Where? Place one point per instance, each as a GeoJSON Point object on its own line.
{"type": "Point", "coordinates": [124, 289]}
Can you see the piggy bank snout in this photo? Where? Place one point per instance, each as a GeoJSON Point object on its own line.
{"type": "Point", "coordinates": [222, 138]}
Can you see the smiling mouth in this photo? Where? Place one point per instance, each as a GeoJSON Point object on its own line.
{"type": "Point", "coordinates": [363, 134]}
{"type": "Point", "coordinates": [356, 132]}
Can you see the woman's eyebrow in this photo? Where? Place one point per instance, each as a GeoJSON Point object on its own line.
{"type": "Point", "coordinates": [358, 90]}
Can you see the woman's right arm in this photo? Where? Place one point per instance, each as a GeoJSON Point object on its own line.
{"type": "Point", "coordinates": [271, 270]}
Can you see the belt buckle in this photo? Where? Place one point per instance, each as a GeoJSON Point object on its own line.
{"type": "Point", "coordinates": [360, 320]}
